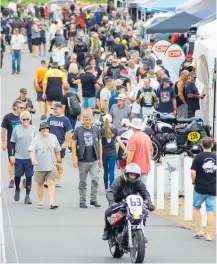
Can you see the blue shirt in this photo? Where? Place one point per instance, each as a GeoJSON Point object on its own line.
{"type": "Point", "coordinates": [99, 16]}
{"type": "Point", "coordinates": [166, 96]}
{"type": "Point", "coordinates": [59, 126]}
{"type": "Point", "coordinates": [112, 100]}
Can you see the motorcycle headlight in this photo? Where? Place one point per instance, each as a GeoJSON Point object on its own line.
{"type": "Point", "coordinates": [136, 217]}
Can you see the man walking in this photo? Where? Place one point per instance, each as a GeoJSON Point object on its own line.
{"type": "Point", "coordinates": [44, 152]}
{"type": "Point", "coordinates": [87, 156]}
{"type": "Point", "coordinates": [61, 128]}
{"type": "Point", "coordinates": [52, 86]}
{"type": "Point", "coordinates": [17, 45]}
{"type": "Point", "coordinates": [120, 111]}
{"type": "Point", "coordinates": [140, 148]}
{"type": "Point", "coordinates": [10, 121]}
{"type": "Point", "coordinates": [38, 83]}
{"type": "Point", "coordinates": [203, 174]}
{"type": "Point", "coordinates": [21, 138]}
{"type": "Point", "coordinates": [105, 95]}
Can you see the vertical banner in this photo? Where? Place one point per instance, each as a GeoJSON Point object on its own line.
{"type": "Point", "coordinates": [160, 48]}
{"type": "Point", "coordinates": [174, 58]}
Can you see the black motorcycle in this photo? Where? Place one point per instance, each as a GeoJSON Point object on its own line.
{"type": "Point", "coordinates": [175, 136]}
{"type": "Point", "coordinates": [127, 223]}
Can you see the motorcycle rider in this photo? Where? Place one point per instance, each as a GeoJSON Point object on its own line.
{"type": "Point", "coordinates": [127, 184]}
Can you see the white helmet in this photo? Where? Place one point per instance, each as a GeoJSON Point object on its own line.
{"type": "Point", "coordinates": [132, 168]}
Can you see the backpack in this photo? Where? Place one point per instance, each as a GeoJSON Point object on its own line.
{"type": "Point", "coordinates": [74, 108]}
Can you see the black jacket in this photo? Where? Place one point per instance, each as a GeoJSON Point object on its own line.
{"type": "Point", "coordinates": [121, 189]}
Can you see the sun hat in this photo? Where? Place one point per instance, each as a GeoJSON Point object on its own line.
{"type": "Point", "coordinates": [121, 97]}
{"type": "Point", "coordinates": [43, 124]}
{"type": "Point", "coordinates": [137, 124]}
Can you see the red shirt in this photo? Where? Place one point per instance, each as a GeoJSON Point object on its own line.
{"type": "Point", "coordinates": [141, 145]}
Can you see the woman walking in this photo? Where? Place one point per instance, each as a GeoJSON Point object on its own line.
{"type": "Point", "coordinates": [109, 156]}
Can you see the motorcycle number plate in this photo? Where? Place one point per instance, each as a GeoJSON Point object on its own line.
{"type": "Point", "coordinates": [135, 204]}
{"type": "Point", "coordinates": [194, 136]}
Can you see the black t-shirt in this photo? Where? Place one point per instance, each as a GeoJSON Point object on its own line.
{"type": "Point", "coordinates": [205, 166]}
{"type": "Point", "coordinates": [10, 121]}
{"type": "Point", "coordinates": [89, 152]}
{"type": "Point", "coordinates": [113, 72]}
{"type": "Point", "coordinates": [193, 103]}
{"type": "Point", "coordinates": [109, 148]}
{"type": "Point", "coordinates": [88, 81]}
{"type": "Point", "coordinates": [64, 101]}
{"type": "Point", "coordinates": [119, 49]}
{"type": "Point", "coordinates": [42, 11]}
{"type": "Point", "coordinates": [80, 51]}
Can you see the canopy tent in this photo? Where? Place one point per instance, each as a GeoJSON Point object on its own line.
{"type": "Point", "coordinates": [161, 5]}
{"type": "Point", "coordinates": [200, 8]}
{"type": "Point", "coordinates": [179, 23]}
{"type": "Point", "coordinates": [204, 54]}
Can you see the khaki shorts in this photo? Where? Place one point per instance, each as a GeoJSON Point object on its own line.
{"type": "Point", "coordinates": [42, 176]}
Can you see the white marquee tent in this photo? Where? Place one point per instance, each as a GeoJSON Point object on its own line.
{"type": "Point", "coordinates": [205, 53]}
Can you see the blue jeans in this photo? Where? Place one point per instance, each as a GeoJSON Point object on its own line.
{"type": "Point", "coordinates": [73, 123]}
{"type": "Point", "coordinates": [16, 60]}
{"type": "Point", "coordinates": [109, 169]}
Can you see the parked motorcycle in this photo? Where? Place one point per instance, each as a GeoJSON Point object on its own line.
{"type": "Point", "coordinates": [175, 136]}
{"type": "Point", "coordinates": [127, 234]}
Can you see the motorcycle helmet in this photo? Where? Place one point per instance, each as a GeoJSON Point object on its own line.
{"type": "Point", "coordinates": [130, 169]}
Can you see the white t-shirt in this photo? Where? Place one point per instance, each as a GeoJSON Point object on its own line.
{"type": "Point", "coordinates": [58, 55]}
{"type": "Point", "coordinates": [105, 94]}
{"type": "Point", "coordinates": [136, 108]}
{"type": "Point", "coordinates": [17, 42]}
{"type": "Point", "coordinates": [52, 31]}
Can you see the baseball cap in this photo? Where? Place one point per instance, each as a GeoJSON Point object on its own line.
{"type": "Point", "coordinates": [107, 117]}
{"type": "Point", "coordinates": [121, 97]}
{"type": "Point", "coordinates": [57, 105]}
{"type": "Point", "coordinates": [23, 90]}
{"type": "Point", "coordinates": [164, 80]}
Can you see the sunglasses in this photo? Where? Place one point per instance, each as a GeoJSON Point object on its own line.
{"type": "Point", "coordinates": [22, 108]}
{"type": "Point", "coordinates": [44, 128]}
{"type": "Point", "coordinates": [25, 119]}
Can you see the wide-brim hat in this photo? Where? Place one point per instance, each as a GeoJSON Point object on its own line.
{"type": "Point", "coordinates": [137, 124]}
{"type": "Point", "coordinates": [121, 97]}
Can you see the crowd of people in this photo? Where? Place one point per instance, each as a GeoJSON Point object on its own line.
{"type": "Point", "coordinates": [98, 66]}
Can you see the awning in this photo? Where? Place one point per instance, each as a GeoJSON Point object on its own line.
{"type": "Point", "coordinates": [179, 23]}
{"type": "Point", "coordinates": [202, 9]}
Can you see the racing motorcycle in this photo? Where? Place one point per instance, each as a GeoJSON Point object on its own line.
{"type": "Point", "coordinates": [175, 136]}
{"type": "Point", "coordinates": [127, 235]}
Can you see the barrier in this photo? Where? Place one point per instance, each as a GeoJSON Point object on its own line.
{"type": "Point", "coordinates": [150, 180]}
{"type": "Point", "coordinates": [188, 189]}
{"type": "Point", "coordinates": [160, 187]}
{"type": "Point", "coordinates": [174, 203]}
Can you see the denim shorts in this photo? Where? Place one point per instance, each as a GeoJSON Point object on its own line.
{"type": "Point", "coordinates": [23, 166]}
{"type": "Point", "coordinates": [210, 201]}
{"type": "Point", "coordinates": [89, 102]}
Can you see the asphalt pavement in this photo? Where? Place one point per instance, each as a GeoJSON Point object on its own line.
{"type": "Point", "coordinates": [71, 234]}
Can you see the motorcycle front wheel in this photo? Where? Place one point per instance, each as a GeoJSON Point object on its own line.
{"type": "Point", "coordinates": [137, 253]}
{"type": "Point", "coordinates": [115, 250]}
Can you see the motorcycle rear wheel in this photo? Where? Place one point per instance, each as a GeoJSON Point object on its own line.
{"type": "Point", "coordinates": [137, 253]}
{"type": "Point", "coordinates": [156, 149]}
{"type": "Point", "coordinates": [115, 251]}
